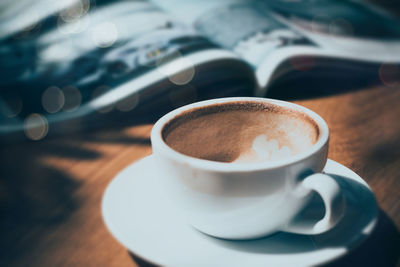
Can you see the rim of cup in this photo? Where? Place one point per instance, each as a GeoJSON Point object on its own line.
{"type": "Point", "coordinates": [161, 146]}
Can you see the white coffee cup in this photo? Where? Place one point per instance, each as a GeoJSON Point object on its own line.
{"type": "Point", "coordinates": [242, 200]}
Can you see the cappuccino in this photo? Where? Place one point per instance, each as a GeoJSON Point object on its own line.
{"type": "Point", "coordinates": [281, 149]}
{"type": "Point", "coordinates": [242, 131]}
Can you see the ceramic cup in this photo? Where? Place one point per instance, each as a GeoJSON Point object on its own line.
{"type": "Point", "coordinates": [253, 198]}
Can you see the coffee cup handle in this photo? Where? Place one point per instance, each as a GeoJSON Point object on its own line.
{"type": "Point", "coordinates": [333, 199]}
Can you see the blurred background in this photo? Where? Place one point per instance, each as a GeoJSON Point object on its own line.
{"type": "Point", "coordinates": [75, 65]}
{"type": "Point", "coordinates": [82, 82]}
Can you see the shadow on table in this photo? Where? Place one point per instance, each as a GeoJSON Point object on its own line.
{"type": "Point", "coordinates": [141, 262]}
{"type": "Point", "coordinates": [380, 249]}
{"type": "Point", "coordinates": [382, 152]}
{"type": "Point", "coordinates": [35, 196]}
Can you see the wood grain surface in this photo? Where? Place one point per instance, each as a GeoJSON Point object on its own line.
{"type": "Point", "coordinates": [50, 191]}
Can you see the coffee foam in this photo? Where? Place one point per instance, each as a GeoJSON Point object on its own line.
{"type": "Point", "coordinates": [263, 149]}
{"type": "Point", "coordinates": [241, 132]}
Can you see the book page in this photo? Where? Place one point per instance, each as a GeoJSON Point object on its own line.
{"type": "Point", "coordinates": [85, 63]}
{"type": "Point", "coordinates": [244, 27]}
{"type": "Point", "coordinates": [268, 34]}
{"type": "Point", "coordinates": [350, 29]}
{"type": "Point", "coordinates": [87, 51]}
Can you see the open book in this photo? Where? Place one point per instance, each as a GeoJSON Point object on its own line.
{"type": "Point", "coordinates": [77, 64]}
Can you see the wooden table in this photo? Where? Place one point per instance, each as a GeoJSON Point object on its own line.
{"type": "Point", "coordinates": [51, 191]}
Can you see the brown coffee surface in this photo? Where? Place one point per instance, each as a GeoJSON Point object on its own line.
{"type": "Point", "coordinates": [227, 132]}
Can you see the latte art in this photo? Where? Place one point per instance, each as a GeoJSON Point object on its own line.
{"type": "Point", "coordinates": [243, 167]}
{"type": "Point", "coordinates": [263, 149]}
{"type": "Point", "coordinates": [241, 132]}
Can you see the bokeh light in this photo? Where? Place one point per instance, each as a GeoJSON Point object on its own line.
{"type": "Point", "coordinates": [12, 106]}
{"type": "Point", "coordinates": [128, 103]}
{"type": "Point", "coordinates": [97, 93]}
{"type": "Point", "coordinates": [179, 70]}
{"type": "Point", "coordinates": [52, 99]}
{"type": "Point", "coordinates": [72, 27]}
{"type": "Point", "coordinates": [184, 76]}
{"type": "Point", "coordinates": [389, 74]}
{"type": "Point", "coordinates": [36, 126]}
{"type": "Point", "coordinates": [57, 53]}
{"type": "Point", "coordinates": [76, 11]}
{"type": "Point", "coordinates": [73, 19]}
{"type": "Point", "coordinates": [104, 34]}
{"type": "Point", "coordinates": [72, 98]}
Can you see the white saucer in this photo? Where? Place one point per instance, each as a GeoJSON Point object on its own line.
{"type": "Point", "coordinates": [142, 218]}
